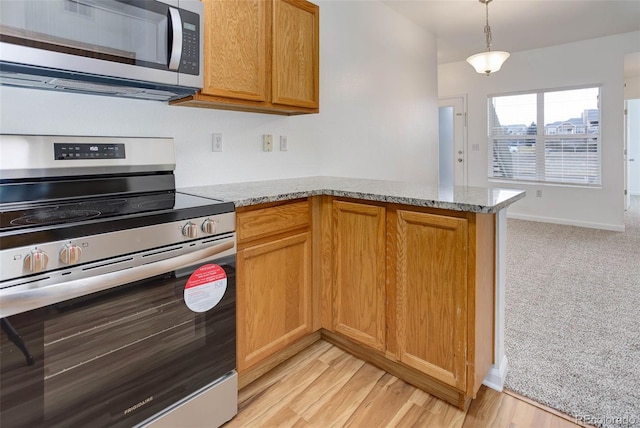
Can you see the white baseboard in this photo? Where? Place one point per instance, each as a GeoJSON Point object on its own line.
{"type": "Point", "coordinates": [604, 226]}
{"type": "Point", "coordinates": [496, 376]}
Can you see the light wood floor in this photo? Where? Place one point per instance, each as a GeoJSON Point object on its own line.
{"type": "Point", "coordinates": [324, 386]}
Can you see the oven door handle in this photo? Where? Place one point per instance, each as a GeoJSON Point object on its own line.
{"type": "Point", "coordinates": [23, 298]}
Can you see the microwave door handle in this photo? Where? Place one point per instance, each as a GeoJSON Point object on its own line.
{"type": "Point", "coordinates": [23, 298]}
{"type": "Point", "coordinates": [176, 39]}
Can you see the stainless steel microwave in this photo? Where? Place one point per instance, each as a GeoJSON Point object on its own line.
{"type": "Point", "coordinates": [148, 49]}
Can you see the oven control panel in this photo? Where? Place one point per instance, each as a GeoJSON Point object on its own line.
{"type": "Point", "coordinates": [37, 259]}
{"type": "Point", "coordinates": [207, 227]}
{"type": "Point", "coordinates": [23, 261]}
{"type": "Point", "coordinates": [77, 151]}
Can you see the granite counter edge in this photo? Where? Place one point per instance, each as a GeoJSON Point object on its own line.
{"type": "Point", "coordinates": [246, 201]}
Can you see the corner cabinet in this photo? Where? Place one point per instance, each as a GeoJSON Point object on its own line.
{"type": "Point", "coordinates": [359, 272]}
{"type": "Point", "coordinates": [273, 280]}
{"type": "Point", "coordinates": [412, 291]}
{"type": "Point", "coordinates": [409, 289]}
{"type": "Point", "coordinates": [261, 56]}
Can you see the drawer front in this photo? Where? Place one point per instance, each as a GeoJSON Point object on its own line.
{"type": "Point", "coordinates": [263, 222]}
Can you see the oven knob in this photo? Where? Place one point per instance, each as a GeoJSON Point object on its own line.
{"type": "Point", "coordinates": [190, 230]}
{"type": "Point", "coordinates": [36, 260]}
{"type": "Point", "coordinates": [209, 226]}
{"type": "Point", "coordinates": [70, 254]}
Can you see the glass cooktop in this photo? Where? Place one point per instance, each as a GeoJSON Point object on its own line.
{"type": "Point", "coordinates": [45, 214]}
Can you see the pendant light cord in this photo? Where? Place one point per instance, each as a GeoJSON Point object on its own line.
{"type": "Point", "coordinates": [488, 61]}
{"type": "Point", "coordinates": [487, 28]}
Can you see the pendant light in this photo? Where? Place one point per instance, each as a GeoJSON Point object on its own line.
{"type": "Point", "coordinates": [490, 61]}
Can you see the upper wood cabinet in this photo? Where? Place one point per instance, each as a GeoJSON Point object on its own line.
{"type": "Point", "coordinates": [295, 71]}
{"type": "Point", "coordinates": [260, 55]}
{"type": "Point", "coordinates": [235, 49]}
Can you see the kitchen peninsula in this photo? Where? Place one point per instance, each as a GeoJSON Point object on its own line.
{"type": "Point", "coordinates": [406, 276]}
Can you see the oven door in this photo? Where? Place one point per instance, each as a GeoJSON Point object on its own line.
{"type": "Point", "coordinates": [117, 357]}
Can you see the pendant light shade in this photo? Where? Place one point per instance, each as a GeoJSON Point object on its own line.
{"type": "Point", "coordinates": [490, 61]}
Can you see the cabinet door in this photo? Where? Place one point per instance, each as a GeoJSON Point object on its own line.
{"type": "Point", "coordinates": [274, 297]}
{"type": "Point", "coordinates": [431, 280]}
{"type": "Point", "coordinates": [235, 49]}
{"type": "Point", "coordinates": [295, 59]}
{"type": "Point", "coordinates": [359, 272]}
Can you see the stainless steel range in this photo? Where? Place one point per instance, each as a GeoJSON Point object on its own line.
{"type": "Point", "coordinates": [117, 292]}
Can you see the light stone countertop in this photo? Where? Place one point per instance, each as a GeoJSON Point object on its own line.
{"type": "Point", "coordinates": [458, 198]}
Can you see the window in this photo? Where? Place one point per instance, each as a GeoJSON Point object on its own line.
{"type": "Point", "coordinates": [551, 136]}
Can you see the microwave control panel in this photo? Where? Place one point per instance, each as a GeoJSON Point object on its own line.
{"type": "Point", "coordinates": [190, 61]}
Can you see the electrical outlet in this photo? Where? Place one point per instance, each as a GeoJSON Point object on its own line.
{"type": "Point", "coordinates": [538, 193]}
{"type": "Point", "coordinates": [283, 143]}
{"type": "Point", "coordinates": [267, 143]}
{"type": "Point", "coordinates": [217, 142]}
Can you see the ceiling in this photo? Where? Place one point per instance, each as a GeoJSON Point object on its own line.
{"type": "Point", "coordinates": [517, 25]}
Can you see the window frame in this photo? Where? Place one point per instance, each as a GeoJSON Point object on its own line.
{"type": "Point", "coordinates": [541, 138]}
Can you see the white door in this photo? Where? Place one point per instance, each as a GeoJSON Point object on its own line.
{"type": "Point", "coordinates": [632, 150]}
{"type": "Point", "coordinates": [452, 159]}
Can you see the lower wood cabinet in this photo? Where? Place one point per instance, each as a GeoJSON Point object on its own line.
{"type": "Point", "coordinates": [274, 281]}
{"type": "Point", "coordinates": [410, 289]}
{"type": "Point", "coordinates": [431, 294]}
{"type": "Point", "coordinates": [359, 272]}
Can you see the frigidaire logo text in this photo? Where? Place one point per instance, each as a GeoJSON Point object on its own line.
{"type": "Point", "coordinates": [140, 404]}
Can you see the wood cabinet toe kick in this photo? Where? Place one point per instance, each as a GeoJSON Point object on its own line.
{"type": "Point", "coordinates": [408, 374]}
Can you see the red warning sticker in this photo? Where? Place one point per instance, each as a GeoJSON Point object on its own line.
{"type": "Point", "coordinates": [205, 288]}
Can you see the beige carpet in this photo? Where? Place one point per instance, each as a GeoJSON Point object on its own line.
{"type": "Point", "coordinates": [572, 331]}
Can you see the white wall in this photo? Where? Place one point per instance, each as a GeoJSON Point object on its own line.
{"type": "Point", "coordinates": [379, 108]}
{"type": "Point", "coordinates": [632, 87]}
{"type": "Point", "coordinates": [378, 111]}
{"type": "Point", "coordinates": [591, 62]}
